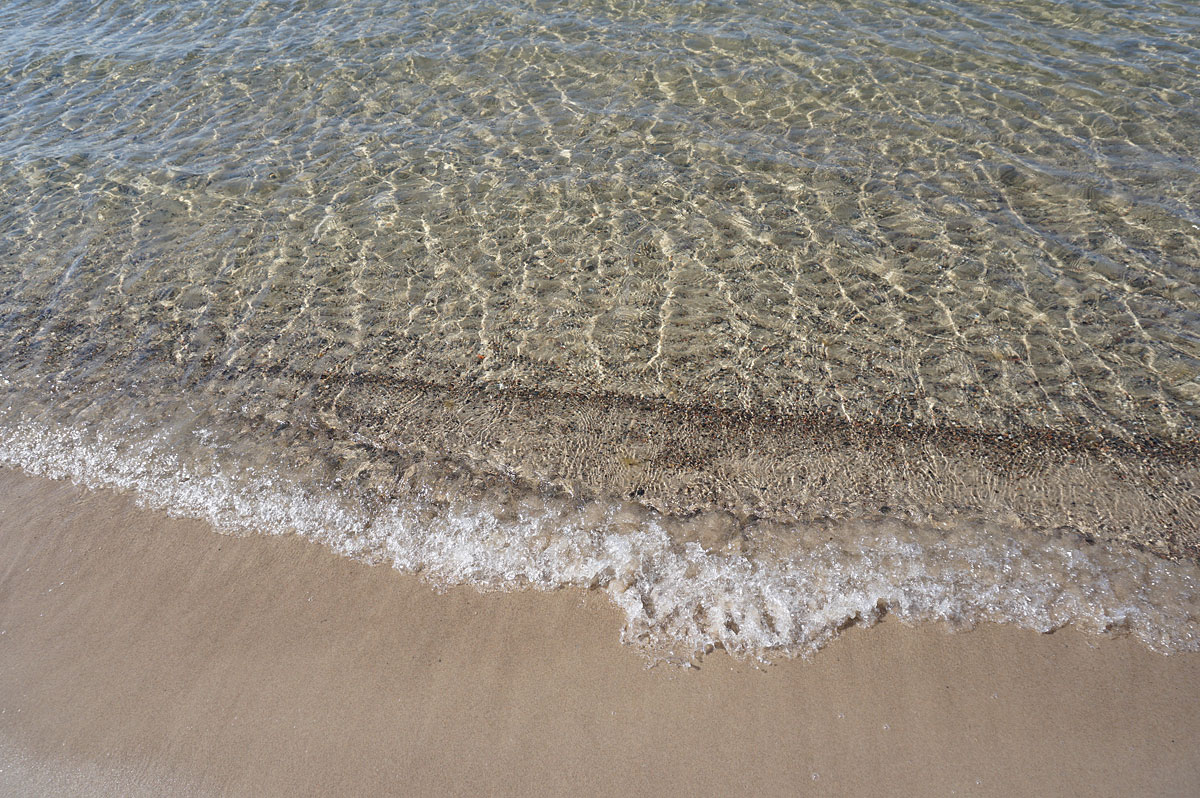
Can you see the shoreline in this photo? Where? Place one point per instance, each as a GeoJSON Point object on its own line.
{"type": "Point", "coordinates": [174, 656]}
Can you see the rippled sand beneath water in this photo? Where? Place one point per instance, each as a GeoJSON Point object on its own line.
{"type": "Point", "coordinates": [746, 270]}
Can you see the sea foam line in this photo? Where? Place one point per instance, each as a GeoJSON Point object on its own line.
{"type": "Point", "coordinates": [678, 599]}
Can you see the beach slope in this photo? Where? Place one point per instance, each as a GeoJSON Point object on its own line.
{"type": "Point", "coordinates": [146, 655]}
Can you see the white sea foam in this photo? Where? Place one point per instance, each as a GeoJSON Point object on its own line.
{"type": "Point", "coordinates": [678, 599]}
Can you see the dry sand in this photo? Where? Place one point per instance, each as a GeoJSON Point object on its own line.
{"type": "Point", "coordinates": [145, 655]}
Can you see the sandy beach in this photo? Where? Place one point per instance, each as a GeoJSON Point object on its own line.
{"type": "Point", "coordinates": [147, 655]}
{"type": "Point", "coordinates": [659, 399]}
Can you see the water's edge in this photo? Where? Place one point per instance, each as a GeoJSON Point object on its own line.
{"type": "Point", "coordinates": [765, 592]}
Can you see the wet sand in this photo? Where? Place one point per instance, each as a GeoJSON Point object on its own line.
{"type": "Point", "coordinates": [146, 655]}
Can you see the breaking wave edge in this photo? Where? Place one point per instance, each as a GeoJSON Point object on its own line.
{"type": "Point", "coordinates": [680, 599]}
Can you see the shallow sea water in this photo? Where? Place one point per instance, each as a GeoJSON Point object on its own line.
{"type": "Point", "coordinates": [766, 318]}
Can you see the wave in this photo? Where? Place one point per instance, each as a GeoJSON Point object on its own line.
{"type": "Point", "coordinates": [779, 591]}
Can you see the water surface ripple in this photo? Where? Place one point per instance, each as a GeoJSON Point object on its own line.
{"type": "Point", "coordinates": [745, 284]}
